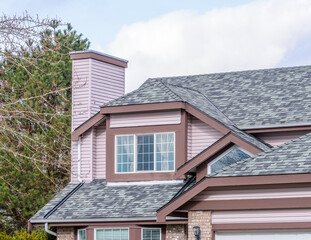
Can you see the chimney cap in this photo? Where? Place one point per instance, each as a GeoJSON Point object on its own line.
{"type": "Point", "coordinates": [98, 56]}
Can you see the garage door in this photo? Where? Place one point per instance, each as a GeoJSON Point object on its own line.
{"type": "Point", "coordinates": [266, 235]}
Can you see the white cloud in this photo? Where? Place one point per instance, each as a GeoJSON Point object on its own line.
{"type": "Point", "coordinates": [256, 35]}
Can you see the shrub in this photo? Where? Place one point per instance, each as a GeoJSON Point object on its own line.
{"type": "Point", "coordinates": [24, 235]}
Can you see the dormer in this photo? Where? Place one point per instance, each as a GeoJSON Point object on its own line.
{"type": "Point", "coordinates": [160, 132]}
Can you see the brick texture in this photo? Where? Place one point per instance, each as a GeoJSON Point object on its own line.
{"type": "Point", "coordinates": [65, 233]}
{"type": "Point", "coordinates": [203, 220]}
{"type": "Point", "coordinates": [176, 232]}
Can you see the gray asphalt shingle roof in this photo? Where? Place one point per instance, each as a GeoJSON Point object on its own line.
{"type": "Point", "coordinates": [248, 98]}
{"type": "Point", "coordinates": [154, 90]}
{"type": "Point", "coordinates": [96, 200]}
{"type": "Point", "coordinates": [289, 158]}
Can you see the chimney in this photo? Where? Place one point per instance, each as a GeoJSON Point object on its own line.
{"type": "Point", "coordinates": [97, 78]}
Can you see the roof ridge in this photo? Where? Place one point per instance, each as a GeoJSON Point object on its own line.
{"type": "Point", "coordinates": [165, 85]}
{"type": "Point", "coordinates": [208, 100]}
{"type": "Point", "coordinates": [234, 71]}
{"type": "Point", "coordinates": [259, 154]}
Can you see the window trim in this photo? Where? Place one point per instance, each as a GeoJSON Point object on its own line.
{"type": "Point", "coordinates": [223, 154]}
{"type": "Point", "coordinates": [110, 228]}
{"type": "Point", "coordinates": [135, 153]}
{"type": "Point", "coordinates": [142, 232]}
{"type": "Point", "coordinates": [78, 237]}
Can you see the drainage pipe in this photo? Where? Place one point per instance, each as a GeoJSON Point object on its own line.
{"type": "Point", "coordinates": [46, 228]}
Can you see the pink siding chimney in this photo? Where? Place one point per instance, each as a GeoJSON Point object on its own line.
{"type": "Point", "coordinates": [96, 79]}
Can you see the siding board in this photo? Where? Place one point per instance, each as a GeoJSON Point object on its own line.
{"type": "Point", "coordinates": [261, 216]}
{"type": "Point", "coordinates": [253, 194]}
{"type": "Point", "coordinates": [145, 119]}
{"type": "Point", "coordinates": [93, 84]}
{"type": "Point", "coordinates": [200, 136]}
{"type": "Point", "coordinates": [99, 167]}
{"type": "Point", "coordinates": [279, 138]}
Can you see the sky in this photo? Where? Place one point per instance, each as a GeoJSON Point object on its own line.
{"type": "Point", "coordinates": [185, 37]}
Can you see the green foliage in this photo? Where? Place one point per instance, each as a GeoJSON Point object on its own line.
{"type": "Point", "coordinates": [24, 235]}
{"type": "Point", "coordinates": [35, 124]}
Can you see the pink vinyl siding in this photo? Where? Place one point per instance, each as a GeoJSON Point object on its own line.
{"type": "Point", "coordinates": [145, 119]}
{"type": "Point", "coordinates": [80, 91]}
{"type": "Point", "coordinates": [261, 216]}
{"type": "Point", "coordinates": [99, 166]}
{"type": "Point", "coordinates": [253, 194]}
{"type": "Point", "coordinates": [86, 158]}
{"type": "Point", "coordinates": [278, 138]}
{"type": "Point", "coordinates": [93, 83]}
{"type": "Point", "coordinates": [74, 161]}
{"type": "Point", "coordinates": [107, 83]}
{"type": "Point", "coordinates": [200, 136]}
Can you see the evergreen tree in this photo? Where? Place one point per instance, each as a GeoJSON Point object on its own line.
{"type": "Point", "coordinates": [35, 116]}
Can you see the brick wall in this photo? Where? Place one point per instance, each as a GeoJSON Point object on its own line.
{"type": "Point", "coordinates": [65, 233]}
{"type": "Point", "coordinates": [176, 232]}
{"type": "Point", "coordinates": [203, 220]}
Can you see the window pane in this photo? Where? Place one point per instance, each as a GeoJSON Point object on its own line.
{"type": "Point", "coordinates": [165, 151]}
{"type": "Point", "coordinates": [151, 234]}
{"type": "Point", "coordinates": [112, 234]}
{"type": "Point", "coordinates": [125, 153]}
{"type": "Point", "coordinates": [233, 156]}
{"type": "Point", "coordinates": [81, 234]}
{"type": "Point", "coordinates": [145, 152]}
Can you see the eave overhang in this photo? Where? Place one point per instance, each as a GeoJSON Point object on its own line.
{"type": "Point", "coordinates": [93, 121]}
{"type": "Point", "coordinates": [216, 182]}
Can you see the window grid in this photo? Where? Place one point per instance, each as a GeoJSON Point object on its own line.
{"type": "Point", "coordinates": [125, 153]}
{"type": "Point", "coordinates": [151, 234]}
{"type": "Point", "coordinates": [145, 149]}
{"type": "Point", "coordinates": [81, 234]}
{"type": "Point", "coordinates": [163, 154]}
{"type": "Point", "coordinates": [165, 151]}
{"type": "Point", "coordinates": [112, 234]}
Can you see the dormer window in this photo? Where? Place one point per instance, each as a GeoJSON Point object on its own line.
{"type": "Point", "coordinates": [153, 152]}
{"type": "Point", "coordinates": [232, 155]}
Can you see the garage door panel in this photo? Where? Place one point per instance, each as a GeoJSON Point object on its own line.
{"type": "Point", "coordinates": [266, 235]}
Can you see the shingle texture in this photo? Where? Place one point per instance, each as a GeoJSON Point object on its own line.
{"type": "Point", "coordinates": [156, 90]}
{"type": "Point", "coordinates": [248, 98]}
{"type": "Point", "coordinates": [96, 200]}
{"type": "Point", "coordinates": [289, 158]}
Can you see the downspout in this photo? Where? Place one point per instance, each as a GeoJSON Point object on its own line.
{"type": "Point", "coordinates": [79, 160]}
{"type": "Point", "coordinates": [46, 226]}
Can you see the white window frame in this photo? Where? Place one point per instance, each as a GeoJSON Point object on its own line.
{"type": "Point", "coordinates": [223, 154]}
{"type": "Point", "coordinates": [79, 231]}
{"type": "Point", "coordinates": [128, 231]}
{"type": "Point", "coordinates": [135, 153]}
{"type": "Point", "coordinates": [142, 232]}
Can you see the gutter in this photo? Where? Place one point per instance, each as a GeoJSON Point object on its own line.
{"type": "Point", "coordinates": [101, 220]}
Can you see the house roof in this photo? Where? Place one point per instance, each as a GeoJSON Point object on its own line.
{"type": "Point", "coordinates": [267, 97]}
{"type": "Point", "coordinates": [289, 158]}
{"type": "Point", "coordinates": [97, 200]}
{"type": "Point", "coordinates": [155, 91]}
